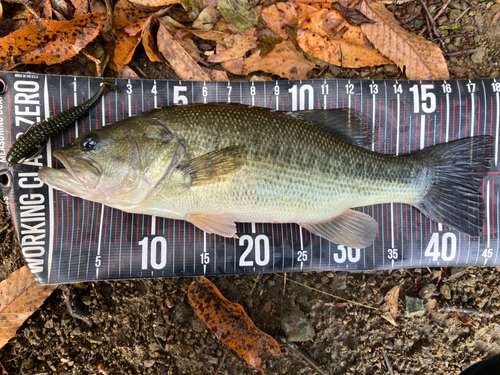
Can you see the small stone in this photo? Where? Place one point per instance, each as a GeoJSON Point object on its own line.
{"type": "Point", "coordinates": [49, 324]}
{"type": "Point", "coordinates": [86, 300]}
{"type": "Point", "coordinates": [267, 306]}
{"type": "Point", "coordinates": [339, 282]}
{"type": "Point", "coordinates": [495, 74]}
{"type": "Point", "coordinates": [161, 332]}
{"type": "Point", "coordinates": [414, 306]}
{"type": "Point", "coordinates": [181, 313]}
{"type": "Point", "coordinates": [198, 325]}
{"type": "Point", "coordinates": [391, 70]}
{"type": "Point", "coordinates": [205, 47]}
{"type": "Point", "coordinates": [96, 339]}
{"type": "Point", "coordinates": [445, 291]}
{"type": "Point", "coordinates": [478, 57]}
{"type": "Point", "coordinates": [77, 331]}
{"type": "Point", "coordinates": [454, 14]}
{"type": "Point", "coordinates": [149, 363]}
{"type": "Point", "coordinates": [297, 327]}
{"type": "Point", "coordinates": [428, 291]}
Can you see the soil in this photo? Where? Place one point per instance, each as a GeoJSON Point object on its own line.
{"type": "Point", "coordinates": [148, 326]}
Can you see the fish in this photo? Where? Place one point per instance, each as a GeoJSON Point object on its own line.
{"type": "Point", "coordinates": [214, 165]}
{"type": "Point", "coordinates": [31, 143]}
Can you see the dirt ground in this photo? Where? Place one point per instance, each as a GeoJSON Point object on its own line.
{"type": "Point", "coordinates": [148, 327]}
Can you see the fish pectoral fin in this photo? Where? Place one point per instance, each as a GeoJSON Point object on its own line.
{"type": "Point", "coordinates": [221, 224]}
{"type": "Point", "coordinates": [208, 168]}
{"type": "Point", "coordinates": [351, 228]}
{"type": "Point", "coordinates": [349, 125]}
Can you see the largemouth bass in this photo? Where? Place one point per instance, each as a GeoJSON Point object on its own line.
{"type": "Point", "coordinates": [217, 164]}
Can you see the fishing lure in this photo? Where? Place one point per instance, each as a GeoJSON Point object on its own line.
{"type": "Point", "coordinates": [33, 141]}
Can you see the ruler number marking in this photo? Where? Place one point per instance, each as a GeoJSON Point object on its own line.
{"type": "Point", "coordinates": [428, 100]}
{"type": "Point", "coordinates": [299, 97]}
{"type": "Point", "coordinates": [495, 86]}
{"type": "Point", "coordinates": [373, 88]}
{"type": "Point", "coordinates": [347, 253]}
{"type": "Point", "coordinates": [471, 87]}
{"type": "Point", "coordinates": [151, 252]}
{"type": "Point", "coordinates": [392, 254]}
{"type": "Point", "coordinates": [448, 249]}
{"type": "Point", "coordinates": [302, 256]}
{"type": "Point", "coordinates": [261, 243]}
{"type": "Point", "coordinates": [178, 98]}
{"type": "Point", "coordinates": [446, 88]}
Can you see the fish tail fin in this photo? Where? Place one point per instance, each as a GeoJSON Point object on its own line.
{"type": "Point", "coordinates": [454, 195]}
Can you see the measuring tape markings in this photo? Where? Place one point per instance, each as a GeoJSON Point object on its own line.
{"type": "Point", "coordinates": [289, 93]}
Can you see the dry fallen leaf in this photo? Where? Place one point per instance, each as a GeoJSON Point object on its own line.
{"type": "Point", "coordinates": [217, 75]}
{"type": "Point", "coordinates": [123, 49]}
{"type": "Point", "coordinates": [230, 323]}
{"type": "Point", "coordinates": [81, 7]}
{"type": "Point", "coordinates": [462, 317]}
{"type": "Point", "coordinates": [217, 36]}
{"type": "Point", "coordinates": [207, 19]}
{"type": "Point", "coordinates": [239, 13]}
{"type": "Point", "coordinates": [20, 296]}
{"type": "Point", "coordinates": [183, 64]}
{"type": "Point", "coordinates": [149, 42]}
{"type": "Point", "coordinates": [63, 8]}
{"type": "Point", "coordinates": [281, 14]}
{"type": "Point", "coordinates": [339, 51]}
{"type": "Point", "coordinates": [418, 57]}
{"type": "Point", "coordinates": [128, 17]}
{"type": "Point", "coordinates": [391, 305]}
{"type": "Point", "coordinates": [283, 60]}
{"type": "Point", "coordinates": [240, 45]}
{"type": "Point", "coordinates": [233, 66]}
{"type": "Point", "coordinates": [49, 42]}
{"type": "Point", "coordinates": [190, 47]}
{"type": "Point", "coordinates": [155, 3]}
{"type": "Point", "coordinates": [44, 9]}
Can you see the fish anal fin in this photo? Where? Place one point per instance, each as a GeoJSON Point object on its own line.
{"type": "Point", "coordinates": [350, 126]}
{"type": "Point", "coordinates": [220, 224]}
{"type": "Point", "coordinates": [210, 167]}
{"type": "Point", "coordinates": [351, 228]}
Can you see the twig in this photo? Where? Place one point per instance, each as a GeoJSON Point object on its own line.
{"type": "Point", "coordinates": [221, 363]}
{"type": "Point", "coordinates": [430, 21]}
{"type": "Point", "coordinates": [284, 284]}
{"type": "Point", "coordinates": [468, 311]}
{"type": "Point", "coordinates": [255, 283]}
{"type": "Point", "coordinates": [460, 16]}
{"type": "Point", "coordinates": [332, 295]}
{"type": "Point", "coordinates": [306, 357]}
{"type": "Point", "coordinates": [454, 36]}
{"type": "Point", "coordinates": [321, 72]}
{"type": "Point", "coordinates": [459, 53]}
{"type": "Point", "coordinates": [443, 8]}
{"type": "Point", "coordinates": [472, 5]}
{"type": "Point", "coordinates": [387, 362]}
{"type": "Point", "coordinates": [74, 308]}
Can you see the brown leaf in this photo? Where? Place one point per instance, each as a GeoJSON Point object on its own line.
{"type": "Point", "coordinates": [217, 36]}
{"type": "Point", "coordinates": [207, 19]}
{"type": "Point", "coordinates": [232, 66]}
{"type": "Point", "coordinates": [353, 16]}
{"type": "Point", "coordinates": [128, 73]}
{"type": "Point", "coordinates": [463, 318]}
{"type": "Point", "coordinates": [20, 296]}
{"type": "Point", "coordinates": [189, 46]}
{"type": "Point", "coordinates": [419, 58]}
{"type": "Point", "coordinates": [126, 15]}
{"type": "Point", "coordinates": [97, 7]}
{"type": "Point", "coordinates": [149, 42]}
{"type": "Point", "coordinates": [183, 64]}
{"type": "Point", "coordinates": [123, 49]}
{"type": "Point", "coordinates": [339, 51]}
{"type": "Point", "coordinates": [44, 8]}
{"type": "Point", "coordinates": [281, 14]}
{"type": "Point", "coordinates": [283, 60]}
{"type": "Point", "coordinates": [230, 323]}
{"type": "Point", "coordinates": [155, 3]}
{"type": "Point", "coordinates": [63, 8]}
{"type": "Point", "coordinates": [241, 44]}
{"type": "Point", "coordinates": [50, 42]}
{"type": "Point", "coordinates": [81, 7]}
{"type": "Point", "coordinates": [217, 75]}
{"type": "Point", "coordinates": [391, 302]}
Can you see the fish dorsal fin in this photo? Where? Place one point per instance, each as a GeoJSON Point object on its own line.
{"type": "Point", "coordinates": [350, 126]}
{"type": "Point", "coordinates": [210, 167]}
{"type": "Point", "coordinates": [351, 228]}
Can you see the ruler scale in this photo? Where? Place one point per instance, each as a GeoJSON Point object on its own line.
{"type": "Point", "coordinates": [66, 239]}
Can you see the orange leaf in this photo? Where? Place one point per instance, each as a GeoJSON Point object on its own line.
{"type": "Point", "coordinates": [217, 36]}
{"type": "Point", "coordinates": [283, 60]}
{"type": "Point", "coordinates": [233, 66]}
{"type": "Point", "coordinates": [281, 14]}
{"type": "Point", "coordinates": [123, 49]}
{"type": "Point", "coordinates": [240, 45]}
{"type": "Point", "coordinates": [217, 75]}
{"type": "Point", "coordinates": [420, 58]}
{"type": "Point", "coordinates": [81, 7]}
{"type": "Point", "coordinates": [230, 323]}
{"type": "Point", "coordinates": [44, 8]}
{"type": "Point", "coordinates": [20, 296]}
{"type": "Point", "coordinates": [149, 43]}
{"type": "Point", "coordinates": [155, 3]}
{"type": "Point", "coordinates": [50, 42]}
{"type": "Point", "coordinates": [183, 64]}
{"type": "Point", "coordinates": [338, 51]}
{"type": "Point", "coordinates": [126, 15]}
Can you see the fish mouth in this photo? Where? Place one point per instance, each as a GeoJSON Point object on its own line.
{"type": "Point", "coordinates": [67, 178]}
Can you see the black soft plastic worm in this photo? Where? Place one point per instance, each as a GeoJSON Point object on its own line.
{"type": "Point", "coordinates": [32, 143]}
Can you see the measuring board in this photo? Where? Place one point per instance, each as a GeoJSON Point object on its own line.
{"type": "Point", "coordinates": [67, 239]}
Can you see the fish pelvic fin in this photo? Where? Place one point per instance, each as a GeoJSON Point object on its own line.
{"type": "Point", "coordinates": [209, 168]}
{"type": "Point", "coordinates": [220, 224]}
{"type": "Point", "coordinates": [351, 228]}
{"type": "Point", "coordinates": [454, 194]}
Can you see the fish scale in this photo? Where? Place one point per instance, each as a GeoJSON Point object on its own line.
{"type": "Point", "coordinates": [85, 241]}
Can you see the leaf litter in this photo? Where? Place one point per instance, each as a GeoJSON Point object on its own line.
{"type": "Point", "coordinates": [348, 34]}
{"type": "Point", "coordinates": [230, 323]}
{"type": "Point", "coordinates": [20, 296]}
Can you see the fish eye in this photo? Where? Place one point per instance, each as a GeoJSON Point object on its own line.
{"type": "Point", "coordinates": [89, 142]}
